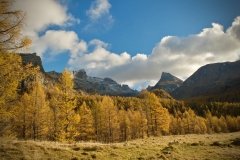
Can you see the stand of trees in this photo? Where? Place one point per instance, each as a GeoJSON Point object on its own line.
{"type": "Point", "coordinates": [43, 110]}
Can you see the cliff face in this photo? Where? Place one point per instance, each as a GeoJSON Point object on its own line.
{"type": "Point", "coordinates": [102, 86]}
{"type": "Point", "coordinates": [211, 79]}
{"type": "Point", "coordinates": [168, 83]}
{"type": "Point", "coordinates": [33, 59]}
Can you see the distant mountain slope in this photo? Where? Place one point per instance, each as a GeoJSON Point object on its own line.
{"type": "Point", "coordinates": [219, 81]}
{"type": "Point", "coordinates": [216, 79]}
{"type": "Point", "coordinates": [83, 82]}
{"type": "Point", "coordinates": [103, 86]}
{"type": "Point", "coordinates": [168, 82]}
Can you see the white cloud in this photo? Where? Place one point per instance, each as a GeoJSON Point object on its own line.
{"type": "Point", "coordinates": [98, 43]}
{"type": "Point", "coordinates": [235, 29]}
{"type": "Point", "coordinates": [41, 14]}
{"type": "Point", "coordinates": [139, 57]}
{"type": "Point", "coordinates": [185, 54]}
{"type": "Point", "coordinates": [99, 58]}
{"type": "Point", "coordinates": [98, 9]}
{"type": "Point", "coordinates": [100, 17]}
{"type": "Point", "coordinates": [56, 42]}
{"type": "Point", "coordinates": [180, 56]}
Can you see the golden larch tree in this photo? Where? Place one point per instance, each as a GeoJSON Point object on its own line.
{"type": "Point", "coordinates": [109, 120]}
{"type": "Point", "coordinates": [69, 119]}
{"type": "Point", "coordinates": [86, 124]}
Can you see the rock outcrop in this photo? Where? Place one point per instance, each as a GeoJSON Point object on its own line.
{"type": "Point", "coordinates": [168, 83]}
{"type": "Point", "coordinates": [32, 58]}
{"type": "Point", "coordinates": [52, 76]}
{"type": "Point", "coordinates": [103, 86]}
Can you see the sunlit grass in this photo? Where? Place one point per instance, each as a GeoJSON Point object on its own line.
{"type": "Point", "coordinates": [166, 147]}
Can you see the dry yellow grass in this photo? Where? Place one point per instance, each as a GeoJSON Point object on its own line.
{"type": "Point", "coordinates": [214, 146]}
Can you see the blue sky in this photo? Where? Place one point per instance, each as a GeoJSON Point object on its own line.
{"type": "Point", "coordinates": [138, 20]}
{"type": "Point", "coordinates": [113, 38]}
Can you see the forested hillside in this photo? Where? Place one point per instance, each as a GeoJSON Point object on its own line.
{"type": "Point", "coordinates": [55, 111]}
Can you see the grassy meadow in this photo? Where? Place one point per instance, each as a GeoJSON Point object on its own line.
{"type": "Point", "coordinates": [188, 147]}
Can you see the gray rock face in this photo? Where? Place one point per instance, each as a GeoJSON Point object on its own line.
{"type": "Point", "coordinates": [211, 79]}
{"type": "Point", "coordinates": [32, 58]}
{"type": "Point", "coordinates": [81, 74]}
{"type": "Point", "coordinates": [168, 82]}
{"type": "Point", "coordinates": [103, 86]}
{"type": "Point", "coordinates": [52, 75]}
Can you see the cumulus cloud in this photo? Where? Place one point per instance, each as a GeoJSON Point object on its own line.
{"type": "Point", "coordinates": [41, 14]}
{"type": "Point", "coordinates": [98, 9]}
{"type": "Point", "coordinates": [235, 29]}
{"type": "Point", "coordinates": [139, 57]}
{"type": "Point", "coordinates": [100, 16]}
{"type": "Point", "coordinates": [99, 58]}
{"type": "Point", "coordinates": [180, 56]}
{"type": "Point", "coordinates": [56, 42]}
{"type": "Point", "coordinates": [185, 54]}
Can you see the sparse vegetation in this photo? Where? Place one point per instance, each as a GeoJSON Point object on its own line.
{"type": "Point", "coordinates": [186, 147]}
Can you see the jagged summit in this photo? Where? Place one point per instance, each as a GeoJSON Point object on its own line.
{"type": "Point", "coordinates": [167, 82]}
{"type": "Point", "coordinates": [168, 77]}
{"type": "Point", "coordinates": [104, 86]}
{"type": "Point", "coordinates": [80, 74]}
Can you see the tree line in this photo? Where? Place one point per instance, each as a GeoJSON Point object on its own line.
{"type": "Point", "coordinates": [40, 109]}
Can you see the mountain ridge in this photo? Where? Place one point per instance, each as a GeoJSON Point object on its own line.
{"type": "Point", "coordinates": [82, 82]}
{"type": "Point", "coordinates": [103, 86]}
{"type": "Point", "coordinates": [211, 79]}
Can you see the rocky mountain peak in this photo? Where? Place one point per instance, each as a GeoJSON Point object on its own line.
{"type": "Point", "coordinates": [168, 77]}
{"type": "Point", "coordinates": [103, 86]}
{"type": "Point", "coordinates": [167, 82]}
{"type": "Point", "coordinates": [80, 74]}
